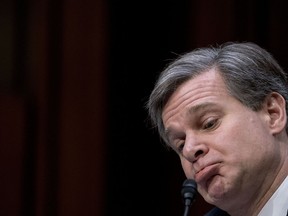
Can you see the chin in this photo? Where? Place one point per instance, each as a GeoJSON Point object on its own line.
{"type": "Point", "coordinates": [216, 191]}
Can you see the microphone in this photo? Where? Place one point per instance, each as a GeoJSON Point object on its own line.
{"type": "Point", "coordinates": [189, 191]}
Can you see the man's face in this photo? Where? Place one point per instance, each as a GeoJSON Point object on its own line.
{"type": "Point", "coordinates": [222, 144]}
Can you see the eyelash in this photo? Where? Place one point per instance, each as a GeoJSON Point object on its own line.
{"type": "Point", "coordinates": [210, 124]}
{"type": "Point", "coordinates": [180, 148]}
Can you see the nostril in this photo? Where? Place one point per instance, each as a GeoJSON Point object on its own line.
{"type": "Point", "coordinates": [199, 152]}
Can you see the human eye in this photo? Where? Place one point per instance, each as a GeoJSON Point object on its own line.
{"type": "Point", "coordinates": [210, 124]}
{"type": "Point", "coordinates": [178, 146]}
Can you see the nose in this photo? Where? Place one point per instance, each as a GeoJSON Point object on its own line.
{"type": "Point", "coordinates": [194, 148]}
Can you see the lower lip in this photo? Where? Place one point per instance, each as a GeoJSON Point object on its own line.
{"type": "Point", "coordinates": [207, 174]}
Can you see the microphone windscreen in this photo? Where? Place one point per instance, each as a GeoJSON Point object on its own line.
{"type": "Point", "coordinates": [189, 189]}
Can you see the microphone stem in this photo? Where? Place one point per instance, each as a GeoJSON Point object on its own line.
{"type": "Point", "coordinates": [186, 210]}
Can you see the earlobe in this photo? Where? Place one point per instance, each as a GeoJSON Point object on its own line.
{"type": "Point", "coordinates": [276, 109]}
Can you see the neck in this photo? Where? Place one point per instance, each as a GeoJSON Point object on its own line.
{"type": "Point", "coordinates": [258, 201]}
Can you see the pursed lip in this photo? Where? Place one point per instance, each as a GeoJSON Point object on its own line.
{"type": "Point", "coordinates": [204, 174]}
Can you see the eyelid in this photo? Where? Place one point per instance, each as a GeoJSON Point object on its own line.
{"type": "Point", "coordinates": [177, 144]}
{"type": "Point", "coordinates": [214, 121]}
{"type": "Point", "coordinates": [179, 147]}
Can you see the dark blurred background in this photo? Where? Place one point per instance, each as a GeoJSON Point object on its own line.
{"type": "Point", "coordinates": [74, 80]}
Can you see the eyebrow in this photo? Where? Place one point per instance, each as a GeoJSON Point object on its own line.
{"type": "Point", "coordinates": [201, 107]}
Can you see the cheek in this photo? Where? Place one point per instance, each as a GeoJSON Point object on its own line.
{"type": "Point", "coordinates": [245, 145]}
{"type": "Point", "coordinates": [243, 134]}
{"type": "Point", "coordinates": [187, 168]}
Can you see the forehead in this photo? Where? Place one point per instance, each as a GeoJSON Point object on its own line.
{"type": "Point", "coordinates": [207, 87]}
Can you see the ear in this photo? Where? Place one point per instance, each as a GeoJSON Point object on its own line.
{"type": "Point", "coordinates": [275, 106]}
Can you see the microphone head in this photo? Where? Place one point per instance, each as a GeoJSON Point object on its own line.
{"type": "Point", "coordinates": [189, 191]}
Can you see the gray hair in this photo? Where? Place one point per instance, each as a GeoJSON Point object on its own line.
{"type": "Point", "coordinates": [249, 72]}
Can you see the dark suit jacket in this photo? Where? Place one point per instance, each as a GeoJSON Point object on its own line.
{"type": "Point", "coordinates": [216, 212]}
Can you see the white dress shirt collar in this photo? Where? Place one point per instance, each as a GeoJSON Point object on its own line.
{"type": "Point", "coordinates": [277, 205]}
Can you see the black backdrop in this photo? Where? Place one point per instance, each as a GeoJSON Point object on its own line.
{"type": "Point", "coordinates": [143, 177]}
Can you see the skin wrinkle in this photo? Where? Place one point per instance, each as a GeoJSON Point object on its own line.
{"type": "Point", "coordinates": [197, 95]}
{"type": "Point", "coordinates": [199, 111]}
{"type": "Point", "coordinates": [200, 91]}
